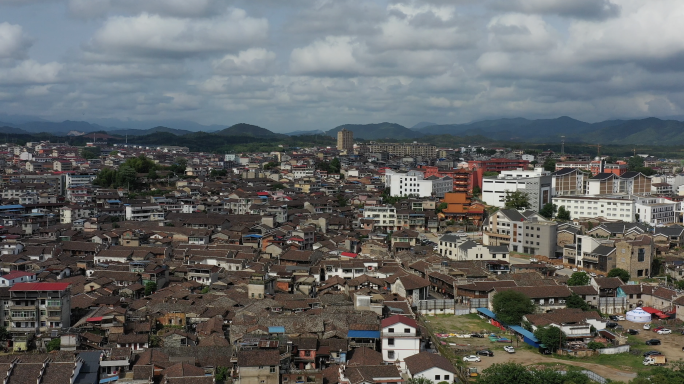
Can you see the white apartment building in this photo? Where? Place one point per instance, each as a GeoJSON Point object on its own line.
{"type": "Point", "coordinates": [302, 171]}
{"type": "Point", "coordinates": [413, 183]}
{"type": "Point", "coordinates": [400, 339]}
{"type": "Point", "coordinates": [384, 217]}
{"type": "Point", "coordinates": [526, 232]}
{"type": "Point", "coordinates": [537, 184]}
{"type": "Point", "coordinates": [656, 210]}
{"type": "Point", "coordinates": [144, 212]}
{"type": "Point", "coordinates": [613, 207]}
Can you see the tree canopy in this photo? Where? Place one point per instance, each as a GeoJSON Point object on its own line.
{"type": "Point", "coordinates": [513, 373]}
{"type": "Point", "coordinates": [516, 200]}
{"type": "Point", "coordinates": [552, 337]}
{"type": "Point", "coordinates": [550, 165]}
{"type": "Point", "coordinates": [576, 301]}
{"type": "Point", "coordinates": [619, 272]}
{"type": "Point", "coordinates": [548, 210]}
{"type": "Point", "coordinates": [578, 278]}
{"type": "Point", "coordinates": [510, 306]}
{"type": "Point", "coordinates": [563, 214]}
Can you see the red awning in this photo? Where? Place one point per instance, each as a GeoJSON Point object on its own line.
{"type": "Point", "coordinates": [654, 311]}
{"type": "Point", "coordinates": [348, 254]}
{"type": "Point", "coordinates": [93, 319]}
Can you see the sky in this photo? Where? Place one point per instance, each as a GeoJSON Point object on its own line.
{"type": "Point", "coordinates": [315, 64]}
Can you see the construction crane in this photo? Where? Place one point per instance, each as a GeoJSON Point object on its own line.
{"type": "Point", "coordinates": [598, 148]}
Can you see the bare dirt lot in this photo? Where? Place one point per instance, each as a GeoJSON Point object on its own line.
{"type": "Point", "coordinates": [621, 367]}
{"type": "Point", "coordinates": [527, 357]}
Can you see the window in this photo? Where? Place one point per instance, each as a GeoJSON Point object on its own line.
{"type": "Point", "coordinates": [390, 330]}
{"type": "Point", "coordinates": [641, 255]}
{"type": "Point", "coordinates": [438, 377]}
{"type": "Point", "coordinates": [446, 377]}
{"type": "Point", "coordinates": [407, 330]}
{"type": "Point", "coordinates": [390, 354]}
{"type": "Point", "coordinates": [390, 342]}
{"type": "Point", "coordinates": [272, 369]}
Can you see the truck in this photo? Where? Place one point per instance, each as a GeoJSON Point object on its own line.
{"type": "Point", "coordinates": [655, 360]}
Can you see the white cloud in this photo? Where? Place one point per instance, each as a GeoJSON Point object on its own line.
{"type": "Point", "coordinates": [13, 42]}
{"type": "Point", "coordinates": [154, 36]}
{"type": "Point", "coordinates": [252, 61]}
{"type": "Point", "coordinates": [518, 32]}
{"type": "Point", "coordinates": [331, 56]}
{"type": "Point", "coordinates": [176, 8]}
{"type": "Point", "coordinates": [31, 72]}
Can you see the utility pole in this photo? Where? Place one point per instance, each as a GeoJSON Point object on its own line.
{"type": "Point", "coordinates": [562, 145]}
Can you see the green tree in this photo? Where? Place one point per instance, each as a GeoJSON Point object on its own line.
{"type": "Point", "coordinates": [420, 380]}
{"type": "Point", "coordinates": [218, 173]}
{"type": "Point", "coordinates": [4, 334]}
{"type": "Point", "coordinates": [594, 345]}
{"type": "Point", "coordinates": [550, 165]}
{"type": "Point", "coordinates": [510, 306]}
{"type": "Point", "coordinates": [578, 278]}
{"type": "Point", "coordinates": [205, 290]}
{"type": "Point", "coordinates": [126, 176]}
{"type": "Point", "coordinates": [646, 171]}
{"type": "Point", "coordinates": [477, 191]}
{"type": "Point", "coordinates": [335, 165]}
{"type": "Point", "coordinates": [179, 165]}
{"type": "Point", "coordinates": [516, 200]}
{"type": "Point", "coordinates": [54, 345]}
{"type": "Point", "coordinates": [635, 162]}
{"type": "Point", "coordinates": [619, 272]}
{"type": "Point", "coordinates": [221, 373]}
{"type": "Point", "coordinates": [552, 337]}
{"type": "Point", "coordinates": [441, 207]}
{"type": "Point", "coordinates": [152, 175]}
{"type": "Point", "coordinates": [673, 374]}
{"type": "Point", "coordinates": [490, 174]}
{"type": "Point", "coordinates": [88, 153]}
{"type": "Point", "coordinates": [506, 373]}
{"type": "Point", "coordinates": [150, 288]}
{"type": "Point", "coordinates": [563, 214]}
{"type": "Point", "coordinates": [576, 301]}
{"type": "Point", "coordinates": [548, 210]}
{"type": "Point", "coordinates": [270, 165]}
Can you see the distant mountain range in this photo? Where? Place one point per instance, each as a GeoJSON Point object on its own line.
{"type": "Point", "coordinates": [382, 131]}
{"type": "Point", "coordinates": [648, 131]}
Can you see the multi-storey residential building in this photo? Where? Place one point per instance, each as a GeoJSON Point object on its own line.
{"type": "Point", "coordinates": [38, 307]}
{"type": "Point", "coordinates": [400, 339]}
{"type": "Point", "coordinates": [525, 232]}
{"type": "Point", "coordinates": [404, 149]}
{"type": "Point", "coordinates": [536, 185]}
{"type": "Point", "coordinates": [345, 140]}
{"type": "Point", "coordinates": [144, 212]}
{"type": "Point", "coordinates": [635, 256]}
{"type": "Point", "coordinates": [615, 207]}
{"type": "Point", "coordinates": [464, 180]}
{"type": "Point", "coordinates": [498, 165]}
{"type": "Point", "coordinates": [384, 217]}
{"type": "Point", "coordinates": [567, 182]}
{"type": "Point", "coordinates": [413, 183]}
{"type": "Point", "coordinates": [629, 183]}
{"type": "Point", "coordinates": [656, 210]}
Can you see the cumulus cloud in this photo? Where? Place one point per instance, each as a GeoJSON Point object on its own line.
{"type": "Point", "coordinates": [314, 64]}
{"type": "Point", "coordinates": [149, 36]}
{"type": "Point", "coordinates": [176, 8]}
{"type": "Point", "coordinates": [14, 43]}
{"type": "Point", "coordinates": [252, 61]}
{"type": "Point", "coordinates": [585, 9]}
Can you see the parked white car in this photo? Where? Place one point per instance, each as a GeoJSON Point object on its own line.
{"type": "Point", "coordinates": [620, 318]}
{"type": "Point", "coordinates": [509, 349]}
{"type": "Point", "coordinates": [471, 359]}
{"type": "Point", "coordinates": [664, 331]}
{"type": "Point", "coordinates": [647, 326]}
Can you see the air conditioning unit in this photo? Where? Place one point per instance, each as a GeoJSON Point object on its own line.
{"type": "Point", "coordinates": [561, 301]}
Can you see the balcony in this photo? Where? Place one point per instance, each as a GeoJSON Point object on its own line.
{"type": "Point", "coordinates": [22, 307]}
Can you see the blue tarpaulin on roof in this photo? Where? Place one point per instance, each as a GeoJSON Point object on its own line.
{"type": "Point", "coordinates": [5, 207]}
{"type": "Point", "coordinates": [528, 336]}
{"type": "Point", "coordinates": [487, 312]}
{"type": "Point", "coordinates": [364, 334]}
{"type": "Point", "coordinates": [276, 329]}
{"type": "Point", "coordinates": [253, 236]}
